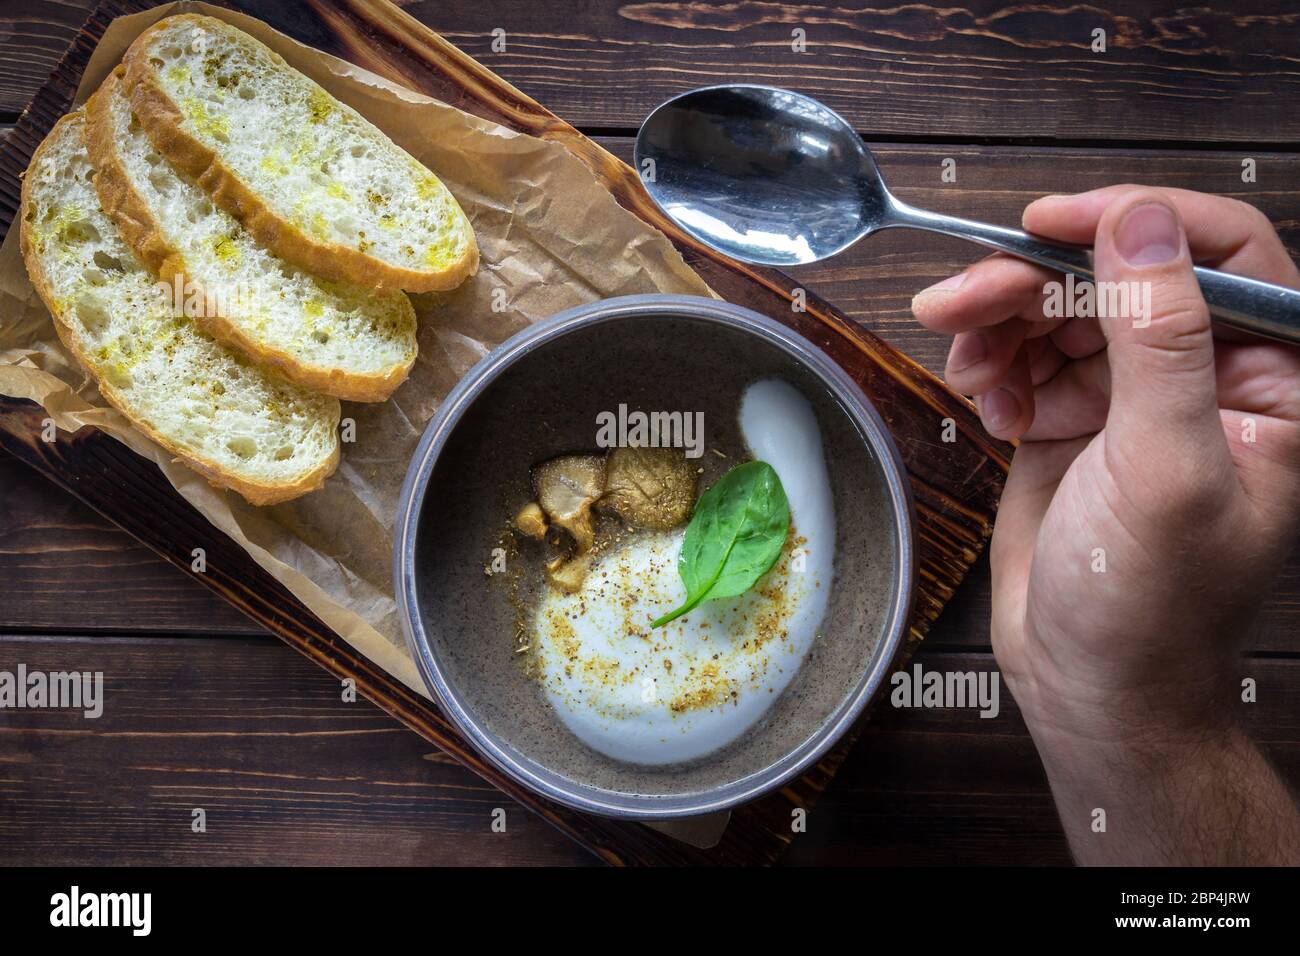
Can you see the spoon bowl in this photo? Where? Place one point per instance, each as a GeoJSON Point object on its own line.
{"type": "Point", "coordinates": [764, 175]}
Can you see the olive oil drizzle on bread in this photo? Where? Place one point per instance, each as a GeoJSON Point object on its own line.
{"type": "Point", "coordinates": [338, 338]}
{"type": "Point", "coordinates": [307, 175]}
{"type": "Point", "coordinates": [240, 426]}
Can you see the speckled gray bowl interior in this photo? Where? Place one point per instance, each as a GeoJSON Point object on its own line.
{"type": "Point", "coordinates": [546, 403]}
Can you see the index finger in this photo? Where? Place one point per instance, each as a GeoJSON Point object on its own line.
{"type": "Point", "coordinates": [1222, 233]}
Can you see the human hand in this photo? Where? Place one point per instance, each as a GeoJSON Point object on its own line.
{"type": "Point", "coordinates": [1164, 454]}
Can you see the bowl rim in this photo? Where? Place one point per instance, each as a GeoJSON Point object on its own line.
{"type": "Point", "coordinates": [551, 783]}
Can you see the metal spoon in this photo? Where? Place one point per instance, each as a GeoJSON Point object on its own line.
{"type": "Point", "coordinates": [772, 177]}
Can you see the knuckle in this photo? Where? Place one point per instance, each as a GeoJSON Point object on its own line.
{"type": "Point", "coordinates": [1169, 313]}
{"type": "Point", "coordinates": [1179, 317]}
{"type": "Point", "coordinates": [1247, 210]}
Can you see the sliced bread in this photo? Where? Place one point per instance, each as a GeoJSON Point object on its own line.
{"type": "Point", "coordinates": [337, 338]}
{"type": "Point", "coordinates": [308, 176]}
{"type": "Point", "coordinates": [238, 425]}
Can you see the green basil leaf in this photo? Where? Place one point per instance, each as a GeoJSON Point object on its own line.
{"type": "Point", "coordinates": [735, 536]}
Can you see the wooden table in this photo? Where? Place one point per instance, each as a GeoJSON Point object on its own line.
{"type": "Point", "coordinates": [214, 713]}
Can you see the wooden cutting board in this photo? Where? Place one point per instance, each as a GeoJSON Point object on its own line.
{"type": "Point", "coordinates": [956, 482]}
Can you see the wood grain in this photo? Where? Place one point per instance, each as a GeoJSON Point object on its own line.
{"type": "Point", "coordinates": [290, 774]}
{"type": "Point", "coordinates": [940, 787]}
{"type": "Point", "coordinates": [64, 567]}
{"type": "Point", "coordinates": [1185, 74]}
{"type": "Point", "coordinates": [33, 38]}
{"type": "Point", "coordinates": [287, 772]}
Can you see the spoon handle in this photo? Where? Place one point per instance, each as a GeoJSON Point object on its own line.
{"type": "Point", "coordinates": [1261, 308]}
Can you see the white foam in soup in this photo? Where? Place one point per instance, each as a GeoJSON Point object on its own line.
{"type": "Point", "coordinates": [680, 692]}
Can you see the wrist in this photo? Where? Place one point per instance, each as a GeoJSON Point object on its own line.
{"type": "Point", "coordinates": [1187, 799]}
{"type": "Point", "coordinates": [1139, 753]}
{"type": "Point", "coordinates": [1140, 730]}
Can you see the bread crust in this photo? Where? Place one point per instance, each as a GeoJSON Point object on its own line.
{"type": "Point", "coordinates": [143, 233]}
{"type": "Point", "coordinates": [253, 490]}
{"type": "Point", "coordinates": [162, 121]}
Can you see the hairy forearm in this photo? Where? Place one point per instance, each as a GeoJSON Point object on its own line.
{"type": "Point", "coordinates": [1209, 800]}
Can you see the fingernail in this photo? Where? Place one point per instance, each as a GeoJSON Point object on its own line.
{"type": "Point", "coordinates": [969, 349]}
{"type": "Point", "coordinates": [1000, 409]}
{"type": "Point", "coordinates": [1054, 197]}
{"type": "Point", "coordinates": [1149, 235]}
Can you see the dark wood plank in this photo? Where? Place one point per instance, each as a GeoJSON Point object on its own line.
{"type": "Point", "coordinates": [989, 69]}
{"type": "Point", "coordinates": [286, 771]}
{"type": "Point", "coordinates": [1189, 74]}
{"type": "Point", "coordinates": [947, 787]}
{"type": "Point", "coordinates": [290, 774]}
{"type": "Point", "coordinates": [65, 568]}
{"type": "Point", "coordinates": [33, 38]}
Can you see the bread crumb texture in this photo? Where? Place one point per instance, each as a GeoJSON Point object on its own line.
{"type": "Point", "coordinates": [239, 425]}
{"type": "Point", "coordinates": [315, 163]}
{"type": "Point", "coordinates": [339, 337]}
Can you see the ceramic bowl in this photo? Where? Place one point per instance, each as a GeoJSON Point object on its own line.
{"type": "Point", "coordinates": [538, 395]}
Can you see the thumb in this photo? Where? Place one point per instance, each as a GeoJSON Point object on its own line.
{"type": "Point", "coordinates": [1159, 345]}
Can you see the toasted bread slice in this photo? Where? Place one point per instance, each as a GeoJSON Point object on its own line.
{"type": "Point", "coordinates": [238, 425]}
{"type": "Point", "coordinates": [308, 176]}
{"type": "Point", "coordinates": [337, 338]}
